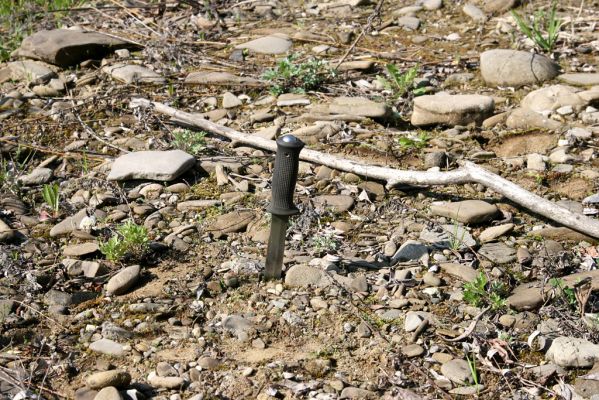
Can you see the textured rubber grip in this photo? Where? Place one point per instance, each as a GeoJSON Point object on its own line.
{"type": "Point", "coordinates": [285, 175]}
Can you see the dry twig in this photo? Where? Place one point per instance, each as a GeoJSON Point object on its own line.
{"type": "Point", "coordinates": [467, 173]}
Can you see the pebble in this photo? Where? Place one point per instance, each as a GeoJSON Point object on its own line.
{"type": "Point", "coordinates": [457, 371]}
{"type": "Point", "coordinates": [410, 251]}
{"type": "Point", "coordinates": [475, 13]}
{"type": "Point", "coordinates": [494, 232]}
{"type": "Point", "coordinates": [100, 380]}
{"type": "Point", "coordinates": [108, 393]}
{"type": "Point", "coordinates": [412, 350]}
{"type": "Point", "coordinates": [108, 347]}
{"type": "Point", "coordinates": [123, 281]}
{"type": "Point", "coordinates": [165, 382]}
{"type": "Point", "coordinates": [6, 232]}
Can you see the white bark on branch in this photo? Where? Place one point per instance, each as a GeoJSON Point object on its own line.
{"type": "Point", "coordinates": [467, 173]}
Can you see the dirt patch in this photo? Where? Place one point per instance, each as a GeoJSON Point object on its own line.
{"type": "Point", "coordinates": [525, 144]}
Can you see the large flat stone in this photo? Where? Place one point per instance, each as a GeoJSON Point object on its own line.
{"type": "Point", "coordinates": [467, 212]}
{"type": "Point", "coordinates": [66, 47]}
{"type": "Point", "coordinates": [133, 74]}
{"type": "Point", "coordinates": [153, 165]}
{"type": "Point", "coordinates": [360, 106]}
{"type": "Point", "coordinates": [580, 79]}
{"type": "Point", "coordinates": [273, 44]}
{"type": "Point", "coordinates": [504, 67]}
{"type": "Point", "coordinates": [447, 109]}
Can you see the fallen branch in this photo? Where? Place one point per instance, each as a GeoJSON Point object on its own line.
{"type": "Point", "coordinates": [467, 173]}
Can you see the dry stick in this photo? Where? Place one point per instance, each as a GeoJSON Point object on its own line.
{"type": "Point", "coordinates": [467, 173]}
{"type": "Point", "coordinates": [375, 13]}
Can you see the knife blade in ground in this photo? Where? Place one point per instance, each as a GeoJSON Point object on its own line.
{"type": "Point", "coordinates": [276, 246]}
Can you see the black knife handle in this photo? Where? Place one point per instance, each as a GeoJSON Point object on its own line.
{"type": "Point", "coordinates": [285, 175]}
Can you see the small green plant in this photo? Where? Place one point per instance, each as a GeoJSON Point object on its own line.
{"type": "Point", "coordinates": [325, 242]}
{"type": "Point", "coordinates": [18, 16]}
{"type": "Point", "coordinates": [291, 76]}
{"type": "Point", "coordinates": [472, 367]}
{"type": "Point", "coordinates": [415, 142]}
{"type": "Point", "coordinates": [189, 141]}
{"type": "Point", "coordinates": [566, 293]}
{"type": "Point", "coordinates": [398, 83]}
{"type": "Point", "coordinates": [130, 239]}
{"type": "Point", "coordinates": [456, 238]}
{"type": "Point", "coordinates": [51, 195]}
{"type": "Point", "coordinates": [541, 22]}
{"type": "Point", "coordinates": [480, 293]}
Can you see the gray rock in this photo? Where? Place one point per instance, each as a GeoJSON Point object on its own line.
{"type": "Point", "coordinates": [412, 350]}
{"type": "Point", "coordinates": [432, 5]}
{"type": "Point", "coordinates": [154, 165]}
{"type": "Point", "coordinates": [85, 393]}
{"type": "Point", "coordinates": [231, 222]}
{"type": "Point", "coordinates": [304, 275]}
{"type": "Point", "coordinates": [524, 118]}
{"type": "Point", "coordinates": [231, 101]}
{"type": "Point", "coordinates": [36, 177]}
{"type": "Point", "coordinates": [498, 253]}
{"type": "Point", "coordinates": [133, 74]}
{"type": "Point", "coordinates": [413, 320]}
{"type": "Point", "coordinates": [6, 232]}
{"type": "Point", "coordinates": [359, 106]}
{"type": "Point", "coordinates": [108, 393]}
{"type": "Point", "coordinates": [447, 109]}
{"type": "Point", "coordinates": [464, 272]}
{"type": "Point", "coordinates": [238, 326]}
{"type": "Point", "coordinates": [411, 250]}
{"type": "Point", "coordinates": [72, 223]}
{"type": "Point", "coordinates": [580, 79]}
{"type": "Point", "coordinates": [123, 281]}
{"type": "Point", "coordinates": [34, 72]}
{"type": "Point", "coordinates": [82, 249]}
{"type": "Point", "coordinates": [359, 65]}
{"type": "Point", "coordinates": [448, 237]}
{"type": "Point", "coordinates": [100, 380]}
{"type": "Point", "coordinates": [430, 279]}
{"type": "Point", "coordinates": [570, 352]}
{"type": "Point", "coordinates": [108, 347]}
{"type": "Point", "coordinates": [55, 297]}
{"type": "Point", "coordinates": [6, 307]}
{"type": "Point", "coordinates": [221, 78]}
{"type": "Point", "coordinates": [474, 12]}
{"type": "Point", "coordinates": [535, 162]}
{"type": "Point", "coordinates": [292, 99]}
{"type": "Point", "coordinates": [498, 6]}
{"type": "Point", "coordinates": [409, 23]}
{"type": "Point", "coordinates": [391, 315]}
{"type": "Point", "coordinates": [467, 212]}
{"type": "Point", "coordinates": [273, 44]}
{"type": "Point", "coordinates": [457, 371]}
{"type": "Point", "coordinates": [494, 232]}
{"type": "Point", "coordinates": [435, 159]}
{"type": "Point", "coordinates": [66, 47]}
{"type": "Point", "coordinates": [559, 155]}
{"type": "Point", "coordinates": [209, 363]}
{"type": "Point", "coordinates": [165, 382]}
{"type": "Point", "coordinates": [357, 394]}
{"type": "Point", "coordinates": [503, 67]}
{"type": "Point", "coordinates": [336, 203]}
{"type": "Point", "coordinates": [165, 369]}
{"type": "Point", "coordinates": [553, 97]}
{"type": "Point", "coordinates": [196, 205]}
